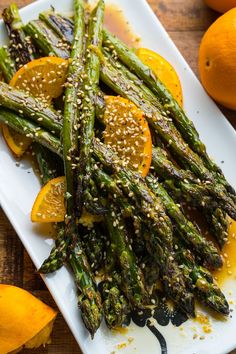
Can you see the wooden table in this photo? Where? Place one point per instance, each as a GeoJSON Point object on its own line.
{"type": "Point", "coordinates": [186, 21]}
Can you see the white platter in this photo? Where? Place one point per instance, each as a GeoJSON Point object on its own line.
{"type": "Point", "coordinates": [19, 187]}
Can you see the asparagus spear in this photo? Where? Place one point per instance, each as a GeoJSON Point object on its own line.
{"type": "Point", "coordinates": [171, 275]}
{"type": "Point", "coordinates": [63, 26]}
{"type": "Point", "coordinates": [205, 249]}
{"type": "Point", "coordinates": [58, 254]}
{"type": "Point", "coordinates": [7, 65]}
{"type": "Point", "coordinates": [70, 120]}
{"type": "Point", "coordinates": [46, 39]}
{"type": "Point", "coordinates": [115, 306]}
{"type": "Point", "coordinates": [30, 107]}
{"type": "Point", "coordinates": [21, 48]}
{"type": "Point", "coordinates": [50, 165]}
{"type": "Point", "coordinates": [93, 243]}
{"type": "Point", "coordinates": [201, 281]}
{"type": "Point", "coordinates": [89, 299]}
{"type": "Point", "coordinates": [108, 183]}
{"type": "Point", "coordinates": [132, 282]}
{"type": "Point", "coordinates": [90, 86]}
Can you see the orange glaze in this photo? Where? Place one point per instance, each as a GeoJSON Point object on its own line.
{"type": "Point", "coordinates": [116, 23]}
{"type": "Point", "coordinates": [204, 321]}
{"type": "Point", "coordinates": [120, 330]}
{"type": "Point", "coordinates": [228, 271]}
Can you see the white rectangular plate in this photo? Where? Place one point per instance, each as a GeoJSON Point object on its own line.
{"type": "Point", "coordinates": [19, 187]}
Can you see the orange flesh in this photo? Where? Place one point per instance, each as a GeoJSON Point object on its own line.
{"type": "Point", "coordinates": [16, 142]}
{"type": "Point", "coordinates": [23, 316]}
{"type": "Point", "coordinates": [49, 204]}
{"type": "Point", "coordinates": [163, 70]}
{"type": "Point", "coordinates": [127, 132]}
{"type": "Point", "coordinates": [43, 78]}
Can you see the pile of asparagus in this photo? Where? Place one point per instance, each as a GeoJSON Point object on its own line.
{"type": "Point", "coordinates": [145, 239]}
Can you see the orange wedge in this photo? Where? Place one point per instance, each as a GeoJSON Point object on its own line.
{"type": "Point", "coordinates": [163, 70]}
{"type": "Point", "coordinates": [42, 78]}
{"type": "Point", "coordinates": [16, 142]}
{"type": "Point", "coordinates": [25, 320]}
{"type": "Point", "coordinates": [127, 132]}
{"type": "Point", "coordinates": [49, 205]}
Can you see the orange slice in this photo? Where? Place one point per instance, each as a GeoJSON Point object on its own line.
{"type": "Point", "coordinates": [25, 320]}
{"type": "Point", "coordinates": [127, 132]}
{"type": "Point", "coordinates": [163, 70]}
{"type": "Point", "coordinates": [49, 205]}
{"type": "Point", "coordinates": [16, 142]}
{"type": "Point", "coordinates": [42, 78]}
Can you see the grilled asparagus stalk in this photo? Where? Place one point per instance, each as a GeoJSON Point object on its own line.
{"type": "Point", "coordinates": [115, 306]}
{"type": "Point", "coordinates": [21, 48]}
{"type": "Point", "coordinates": [90, 86]}
{"type": "Point", "coordinates": [89, 299]}
{"type": "Point", "coordinates": [132, 282]}
{"type": "Point", "coordinates": [47, 40]}
{"type": "Point", "coordinates": [201, 281]}
{"type": "Point", "coordinates": [7, 65]}
{"type": "Point", "coordinates": [63, 26]}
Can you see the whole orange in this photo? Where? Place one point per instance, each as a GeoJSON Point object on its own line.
{"type": "Point", "coordinates": [221, 5]}
{"type": "Point", "coordinates": [217, 60]}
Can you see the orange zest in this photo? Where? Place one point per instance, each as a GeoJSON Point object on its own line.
{"type": "Point", "coordinates": [128, 133]}
{"type": "Point", "coordinates": [164, 72]}
{"type": "Point", "coordinates": [49, 205]}
{"type": "Point", "coordinates": [42, 78]}
{"type": "Point", "coordinates": [25, 320]}
{"type": "Point", "coordinates": [221, 5]}
{"type": "Point", "coordinates": [16, 142]}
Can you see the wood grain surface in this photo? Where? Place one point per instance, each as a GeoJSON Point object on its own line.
{"type": "Point", "coordinates": [185, 21]}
